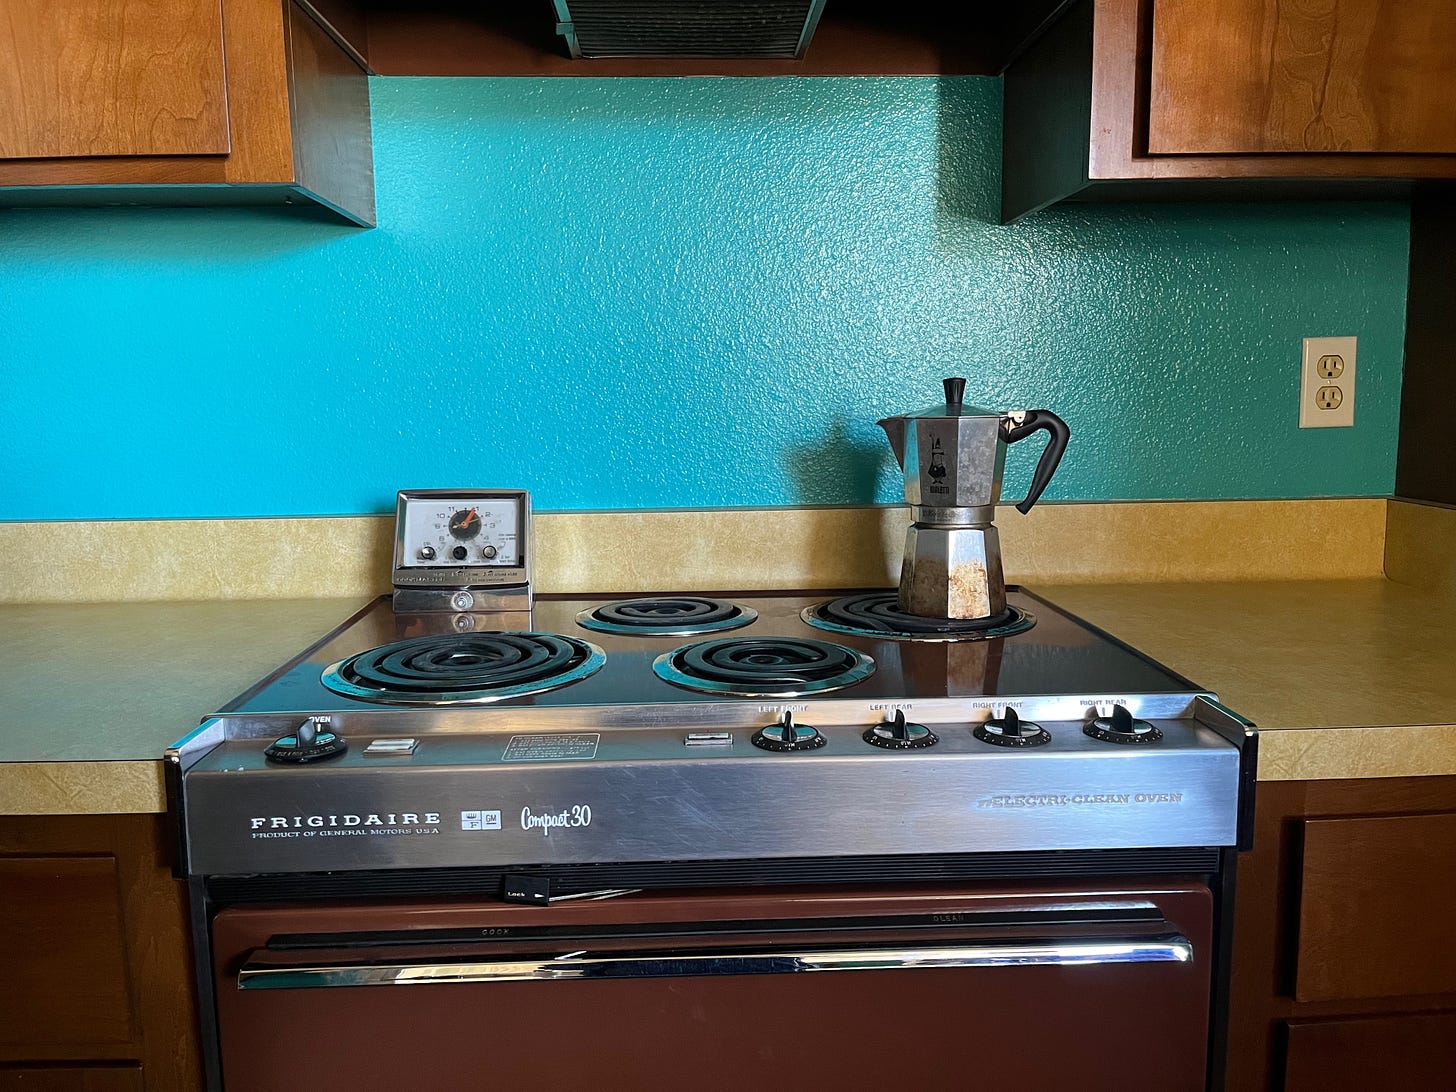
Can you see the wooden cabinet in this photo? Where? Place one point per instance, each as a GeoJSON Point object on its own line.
{"type": "Point", "coordinates": [95, 957]}
{"type": "Point", "coordinates": [1222, 98]}
{"type": "Point", "coordinates": [181, 102]}
{"type": "Point", "coordinates": [1343, 977]}
{"type": "Point", "coordinates": [134, 77]}
{"type": "Point", "coordinates": [1245, 77]}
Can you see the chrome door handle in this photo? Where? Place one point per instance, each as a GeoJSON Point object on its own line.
{"type": "Point", "coordinates": [1171, 948]}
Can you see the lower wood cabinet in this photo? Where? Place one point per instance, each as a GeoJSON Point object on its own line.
{"type": "Point", "coordinates": [1344, 975]}
{"type": "Point", "coordinates": [95, 958]}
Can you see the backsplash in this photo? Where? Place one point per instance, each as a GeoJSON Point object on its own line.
{"type": "Point", "coordinates": [672, 293]}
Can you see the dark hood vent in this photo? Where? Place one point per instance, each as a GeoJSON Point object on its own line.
{"type": "Point", "coordinates": [767, 29]}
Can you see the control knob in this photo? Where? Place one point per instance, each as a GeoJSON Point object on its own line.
{"type": "Point", "coordinates": [788, 736]}
{"type": "Point", "coordinates": [1120, 726]}
{"type": "Point", "coordinates": [1009, 730]}
{"type": "Point", "coordinates": [314, 739]}
{"type": "Point", "coordinates": [899, 734]}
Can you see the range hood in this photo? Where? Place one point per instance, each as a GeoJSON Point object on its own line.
{"type": "Point", "coordinates": [766, 29]}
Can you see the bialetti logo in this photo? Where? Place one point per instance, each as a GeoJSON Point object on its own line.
{"type": "Point", "coordinates": [311, 826]}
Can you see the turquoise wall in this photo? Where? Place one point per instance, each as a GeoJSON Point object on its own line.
{"type": "Point", "coordinates": [632, 293]}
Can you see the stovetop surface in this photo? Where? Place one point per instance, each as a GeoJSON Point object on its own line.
{"type": "Point", "coordinates": [1060, 655]}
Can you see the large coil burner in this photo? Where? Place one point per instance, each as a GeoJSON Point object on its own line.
{"type": "Point", "coordinates": [667, 616]}
{"type": "Point", "coordinates": [763, 667]}
{"type": "Point", "coordinates": [464, 668]}
{"type": "Point", "coordinates": [877, 614]}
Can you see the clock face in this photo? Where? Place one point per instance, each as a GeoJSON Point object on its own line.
{"type": "Point", "coordinates": [450, 530]}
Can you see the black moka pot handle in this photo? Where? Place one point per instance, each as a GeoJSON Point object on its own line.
{"type": "Point", "coordinates": [1058, 434]}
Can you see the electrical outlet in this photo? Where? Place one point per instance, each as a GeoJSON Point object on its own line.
{"type": "Point", "coordinates": [1327, 383]}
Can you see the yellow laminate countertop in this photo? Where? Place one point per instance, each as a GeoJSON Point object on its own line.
{"type": "Point", "coordinates": [1345, 678]}
{"type": "Point", "coordinates": [1350, 678]}
{"type": "Point", "coordinates": [92, 694]}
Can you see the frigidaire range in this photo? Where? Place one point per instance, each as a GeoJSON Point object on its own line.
{"type": "Point", "coordinates": [687, 841]}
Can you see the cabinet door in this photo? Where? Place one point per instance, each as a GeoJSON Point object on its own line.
{"type": "Point", "coordinates": [1390, 1053]}
{"type": "Point", "coordinates": [1254, 76]}
{"type": "Point", "coordinates": [112, 78]}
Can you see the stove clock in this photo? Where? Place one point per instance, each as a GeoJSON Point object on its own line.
{"type": "Point", "coordinates": [462, 550]}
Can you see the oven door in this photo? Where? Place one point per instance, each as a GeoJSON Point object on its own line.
{"type": "Point", "coordinates": [1095, 988]}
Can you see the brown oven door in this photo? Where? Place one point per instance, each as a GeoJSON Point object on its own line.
{"type": "Point", "coordinates": [915, 989]}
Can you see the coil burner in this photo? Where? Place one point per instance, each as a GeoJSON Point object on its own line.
{"type": "Point", "coordinates": [763, 667]}
{"type": "Point", "coordinates": [876, 614]}
{"type": "Point", "coordinates": [667, 616]}
{"type": "Point", "coordinates": [464, 668]}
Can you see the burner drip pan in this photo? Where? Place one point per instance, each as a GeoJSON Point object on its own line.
{"type": "Point", "coordinates": [877, 614]}
{"type": "Point", "coordinates": [667, 616]}
{"type": "Point", "coordinates": [763, 667]}
{"type": "Point", "coordinates": [464, 668]}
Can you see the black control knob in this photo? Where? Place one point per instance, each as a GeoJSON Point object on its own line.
{"type": "Point", "coordinates": [314, 739]}
{"type": "Point", "coordinates": [788, 736]}
{"type": "Point", "coordinates": [1009, 730]}
{"type": "Point", "coordinates": [1120, 726]}
{"type": "Point", "coordinates": [459, 553]}
{"type": "Point", "coordinates": [900, 734]}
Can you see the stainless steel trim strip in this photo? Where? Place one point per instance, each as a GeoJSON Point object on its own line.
{"type": "Point", "coordinates": [1173, 948]}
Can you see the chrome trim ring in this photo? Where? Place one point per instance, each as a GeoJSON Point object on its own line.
{"type": "Point", "coordinates": [858, 667]}
{"type": "Point", "coordinates": [1020, 622]}
{"type": "Point", "coordinates": [670, 627]}
{"type": "Point", "coordinates": [333, 678]}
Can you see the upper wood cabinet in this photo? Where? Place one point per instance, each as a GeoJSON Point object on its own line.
{"type": "Point", "coordinates": [1142, 98]}
{"type": "Point", "coordinates": [125, 78]}
{"type": "Point", "coordinates": [180, 102]}
{"type": "Point", "coordinates": [1250, 76]}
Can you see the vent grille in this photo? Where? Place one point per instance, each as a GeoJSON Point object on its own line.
{"type": "Point", "coordinates": [767, 29]}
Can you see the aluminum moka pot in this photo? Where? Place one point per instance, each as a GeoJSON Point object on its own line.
{"type": "Point", "coordinates": [953, 456]}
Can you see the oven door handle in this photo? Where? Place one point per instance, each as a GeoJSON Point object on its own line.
{"type": "Point", "coordinates": [1171, 948]}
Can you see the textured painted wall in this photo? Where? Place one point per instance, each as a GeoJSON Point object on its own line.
{"type": "Point", "coordinates": [640, 293]}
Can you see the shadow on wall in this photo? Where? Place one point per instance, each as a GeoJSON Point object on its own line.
{"type": "Point", "coordinates": [129, 237]}
{"type": "Point", "coordinates": [967, 154]}
{"type": "Point", "coordinates": [838, 469]}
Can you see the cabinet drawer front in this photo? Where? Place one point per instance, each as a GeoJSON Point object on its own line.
{"type": "Point", "coordinates": [73, 1078]}
{"type": "Point", "coordinates": [61, 948]}
{"type": "Point", "coordinates": [1371, 891]}
{"type": "Point", "coordinates": [1246, 76]}
{"type": "Point", "coordinates": [112, 78]}
{"type": "Point", "coordinates": [1370, 1054]}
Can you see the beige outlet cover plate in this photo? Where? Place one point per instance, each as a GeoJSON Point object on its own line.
{"type": "Point", "coordinates": [1327, 383]}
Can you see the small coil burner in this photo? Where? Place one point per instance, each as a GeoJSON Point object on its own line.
{"type": "Point", "coordinates": [876, 614]}
{"type": "Point", "coordinates": [667, 616]}
{"type": "Point", "coordinates": [763, 667]}
{"type": "Point", "coordinates": [464, 668]}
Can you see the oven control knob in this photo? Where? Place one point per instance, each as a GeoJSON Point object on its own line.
{"type": "Point", "coordinates": [314, 739]}
{"type": "Point", "coordinates": [1120, 726]}
{"type": "Point", "coordinates": [899, 734]}
{"type": "Point", "coordinates": [788, 736]}
{"type": "Point", "coordinates": [1009, 730]}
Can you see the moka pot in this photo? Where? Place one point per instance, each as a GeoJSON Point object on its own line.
{"type": "Point", "coordinates": [952, 457]}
